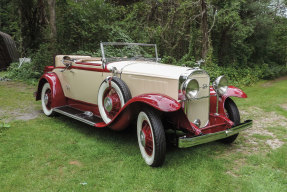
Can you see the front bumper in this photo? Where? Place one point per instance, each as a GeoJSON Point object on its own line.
{"type": "Point", "coordinates": [184, 142]}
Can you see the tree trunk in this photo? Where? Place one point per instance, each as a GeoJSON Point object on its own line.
{"type": "Point", "coordinates": [204, 29]}
{"type": "Point", "coordinates": [52, 20]}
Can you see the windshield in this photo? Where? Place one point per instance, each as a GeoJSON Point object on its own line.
{"type": "Point", "coordinates": [114, 51]}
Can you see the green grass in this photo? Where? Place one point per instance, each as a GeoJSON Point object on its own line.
{"type": "Point", "coordinates": [58, 154]}
{"type": "Point", "coordinates": [267, 95]}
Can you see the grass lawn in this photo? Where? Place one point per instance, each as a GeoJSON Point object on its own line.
{"type": "Point", "coordinates": [38, 153]}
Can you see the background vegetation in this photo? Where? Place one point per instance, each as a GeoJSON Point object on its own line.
{"type": "Point", "coordinates": [244, 39]}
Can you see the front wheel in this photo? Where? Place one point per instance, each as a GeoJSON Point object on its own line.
{"type": "Point", "coordinates": [151, 137]}
{"type": "Point", "coordinates": [232, 113]}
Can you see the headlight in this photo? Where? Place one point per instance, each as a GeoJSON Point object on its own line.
{"type": "Point", "coordinates": [190, 88]}
{"type": "Point", "coordinates": [220, 85]}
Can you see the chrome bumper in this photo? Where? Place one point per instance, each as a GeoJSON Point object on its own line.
{"type": "Point", "coordinates": [184, 142]}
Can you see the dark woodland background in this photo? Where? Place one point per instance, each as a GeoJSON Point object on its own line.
{"type": "Point", "coordinates": [244, 39]}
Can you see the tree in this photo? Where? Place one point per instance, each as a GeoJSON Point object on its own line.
{"type": "Point", "coordinates": [52, 20]}
{"type": "Point", "coordinates": [204, 29]}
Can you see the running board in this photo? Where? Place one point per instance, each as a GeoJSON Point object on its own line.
{"type": "Point", "coordinates": [78, 115]}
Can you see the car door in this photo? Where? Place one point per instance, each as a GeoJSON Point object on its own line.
{"type": "Point", "coordinates": [81, 81]}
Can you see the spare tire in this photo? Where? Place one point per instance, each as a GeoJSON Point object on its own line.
{"type": "Point", "coordinates": [112, 96]}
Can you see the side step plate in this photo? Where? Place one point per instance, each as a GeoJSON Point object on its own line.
{"type": "Point", "coordinates": [78, 115]}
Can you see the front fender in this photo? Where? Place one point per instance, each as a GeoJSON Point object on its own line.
{"type": "Point", "coordinates": [231, 92]}
{"type": "Point", "coordinates": [234, 92]}
{"type": "Point", "coordinates": [133, 106]}
{"type": "Point", "coordinates": [58, 97]}
{"type": "Point", "coordinates": [158, 101]}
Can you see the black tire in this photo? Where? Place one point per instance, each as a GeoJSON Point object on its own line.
{"type": "Point", "coordinates": [233, 114]}
{"type": "Point", "coordinates": [157, 156]}
{"type": "Point", "coordinates": [121, 89]}
{"type": "Point", "coordinates": [124, 88]}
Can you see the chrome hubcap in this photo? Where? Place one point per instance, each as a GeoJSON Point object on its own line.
{"type": "Point", "coordinates": [46, 99]}
{"type": "Point", "coordinates": [142, 138]}
{"type": "Point", "coordinates": [108, 104]}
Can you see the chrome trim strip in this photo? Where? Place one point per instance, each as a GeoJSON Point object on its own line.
{"type": "Point", "coordinates": [74, 117]}
{"type": "Point", "coordinates": [184, 142]}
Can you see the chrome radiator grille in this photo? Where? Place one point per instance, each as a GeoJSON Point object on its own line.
{"type": "Point", "coordinates": [199, 108]}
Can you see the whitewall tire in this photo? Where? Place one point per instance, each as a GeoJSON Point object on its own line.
{"type": "Point", "coordinates": [46, 99]}
{"type": "Point", "coordinates": [151, 138]}
{"type": "Point", "coordinates": [112, 96]}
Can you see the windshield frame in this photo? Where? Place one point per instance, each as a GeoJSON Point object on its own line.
{"type": "Point", "coordinates": [102, 44]}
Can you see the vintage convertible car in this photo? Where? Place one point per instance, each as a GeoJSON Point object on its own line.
{"type": "Point", "coordinates": [128, 84]}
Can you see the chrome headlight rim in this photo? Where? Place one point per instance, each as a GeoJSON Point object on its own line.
{"type": "Point", "coordinates": [188, 89]}
{"type": "Point", "coordinates": [220, 85]}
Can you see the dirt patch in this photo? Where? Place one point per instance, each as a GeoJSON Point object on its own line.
{"type": "Point", "coordinates": [21, 110]}
{"type": "Point", "coordinates": [25, 115]}
{"type": "Point", "coordinates": [261, 121]}
{"type": "Point", "coordinates": [77, 163]}
{"type": "Point", "coordinates": [274, 143]}
{"type": "Point", "coordinates": [284, 106]}
{"type": "Point", "coordinates": [250, 144]}
{"type": "Point", "coordinates": [28, 116]}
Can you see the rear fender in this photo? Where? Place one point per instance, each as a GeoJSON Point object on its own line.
{"type": "Point", "coordinates": [58, 97]}
{"type": "Point", "coordinates": [231, 92]}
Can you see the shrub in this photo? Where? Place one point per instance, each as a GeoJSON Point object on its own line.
{"type": "Point", "coordinates": [32, 71]}
{"type": "Point", "coordinates": [26, 72]}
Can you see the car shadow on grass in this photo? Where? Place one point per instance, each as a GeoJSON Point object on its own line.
{"type": "Point", "coordinates": [127, 139]}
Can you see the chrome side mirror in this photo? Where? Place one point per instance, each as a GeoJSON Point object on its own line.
{"type": "Point", "coordinates": [67, 61]}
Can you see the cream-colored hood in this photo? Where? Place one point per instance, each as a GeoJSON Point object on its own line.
{"type": "Point", "coordinates": [147, 68]}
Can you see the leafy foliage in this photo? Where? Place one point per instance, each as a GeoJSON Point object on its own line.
{"type": "Point", "coordinates": [247, 38]}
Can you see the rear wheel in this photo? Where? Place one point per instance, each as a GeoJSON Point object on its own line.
{"type": "Point", "coordinates": [232, 113]}
{"type": "Point", "coordinates": [46, 99]}
{"type": "Point", "coordinates": [151, 137]}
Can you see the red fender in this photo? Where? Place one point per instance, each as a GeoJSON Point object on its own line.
{"type": "Point", "coordinates": [160, 102]}
{"type": "Point", "coordinates": [234, 92]}
{"type": "Point", "coordinates": [231, 92]}
{"type": "Point", "coordinates": [127, 113]}
{"type": "Point", "coordinates": [58, 97]}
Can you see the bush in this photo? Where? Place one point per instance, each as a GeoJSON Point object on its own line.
{"type": "Point", "coordinates": [26, 72]}
{"type": "Point", "coordinates": [244, 75]}
{"type": "Point", "coordinates": [273, 70]}
{"type": "Point", "coordinates": [32, 71]}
